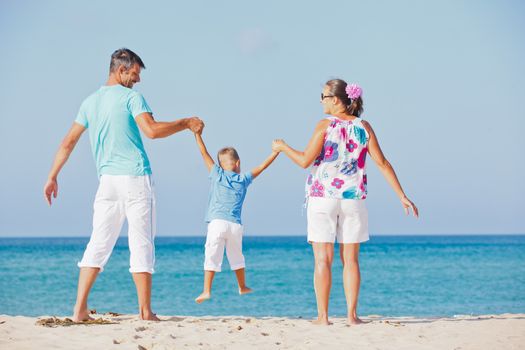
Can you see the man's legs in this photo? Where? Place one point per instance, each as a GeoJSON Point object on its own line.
{"type": "Point", "coordinates": [86, 278]}
{"type": "Point", "coordinates": [140, 211]}
{"type": "Point", "coordinates": [143, 283]}
{"type": "Point", "coordinates": [108, 217]}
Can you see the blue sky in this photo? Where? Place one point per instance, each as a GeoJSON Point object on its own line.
{"type": "Point", "coordinates": [442, 81]}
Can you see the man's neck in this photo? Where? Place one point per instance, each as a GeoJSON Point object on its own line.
{"type": "Point", "coordinates": [112, 80]}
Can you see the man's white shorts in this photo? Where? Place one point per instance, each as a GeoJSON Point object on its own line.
{"type": "Point", "coordinates": [222, 233]}
{"type": "Point", "coordinates": [121, 197]}
{"type": "Point", "coordinates": [344, 219]}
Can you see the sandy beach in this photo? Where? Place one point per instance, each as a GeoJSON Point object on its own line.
{"type": "Point", "coordinates": [506, 331]}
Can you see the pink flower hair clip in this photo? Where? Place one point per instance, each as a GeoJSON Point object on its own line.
{"type": "Point", "coordinates": [353, 91]}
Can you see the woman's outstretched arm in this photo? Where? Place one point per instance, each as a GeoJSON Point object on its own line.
{"type": "Point", "coordinates": [387, 170]}
{"type": "Point", "coordinates": [315, 145]}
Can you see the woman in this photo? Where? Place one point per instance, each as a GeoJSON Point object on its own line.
{"type": "Point", "coordinates": [336, 189]}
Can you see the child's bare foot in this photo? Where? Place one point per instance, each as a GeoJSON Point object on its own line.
{"type": "Point", "coordinates": [353, 321]}
{"type": "Point", "coordinates": [81, 316]}
{"type": "Point", "coordinates": [321, 322]}
{"type": "Point", "coordinates": [204, 296]}
{"type": "Point", "coordinates": [245, 290]}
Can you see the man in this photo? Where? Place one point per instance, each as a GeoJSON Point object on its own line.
{"type": "Point", "coordinates": [113, 115]}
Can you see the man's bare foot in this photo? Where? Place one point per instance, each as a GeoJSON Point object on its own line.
{"type": "Point", "coordinates": [81, 316]}
{"type": "Point", "coordinates": [321, 322]}
{"type": "Point", "coordinates": [204, 296]}
{"type": "Point", "coordinates": [353, 321]}
{"type": "Point", "coordinates": [245, 290]}
{"type": "Point", "coordinates": [150, 316]}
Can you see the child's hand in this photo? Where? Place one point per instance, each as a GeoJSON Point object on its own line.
{"type": "Point", "coordinates": [195, 124]}
{"type": "Point", "coordinates": [278, 145]}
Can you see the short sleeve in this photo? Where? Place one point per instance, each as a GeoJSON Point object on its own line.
{"type": "Point", "coordinates": [137, 104]}
{"type": "Point", "coordinates": [214, 171]}
{"type": "Point", "coordinates": [248, 178]}
{"type": "Point", "coordinates": [82, 116]}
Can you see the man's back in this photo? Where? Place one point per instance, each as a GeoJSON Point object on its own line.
{"type": "Point", "coordinates": [109, 114]}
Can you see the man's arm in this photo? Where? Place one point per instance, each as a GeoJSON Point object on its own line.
{"type": "Point", "coordinates": [258, 170]}
{"type": "Point", "coordinates": [61, 157]}
{"type": "Point", "coordinates": [208, 160]}
{"type": "Point", "coordinates": [154, 130]}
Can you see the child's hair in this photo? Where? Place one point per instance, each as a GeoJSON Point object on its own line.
{"type": "Point", "coordinates": [338, 89]}
{"type": "Point", "coordinates": [230, 152]}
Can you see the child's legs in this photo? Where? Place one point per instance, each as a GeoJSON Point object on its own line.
{"type": "Point", "coordinates": [214, 248]}
{"type": "Point", "coordinates": [234, 252]}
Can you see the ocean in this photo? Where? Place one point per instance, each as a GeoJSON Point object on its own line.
{"type": "Point", "coordinates": [424, 276]}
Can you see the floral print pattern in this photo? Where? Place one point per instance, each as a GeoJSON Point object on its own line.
{"type": "Point", "coordinates": [317, 189]}
{"type": "Point", "coordinates": [339, 171]}
{"type": "Point", "coordinates": [337, 183]}
{"type": "Point", "coordinates": [330, 151]}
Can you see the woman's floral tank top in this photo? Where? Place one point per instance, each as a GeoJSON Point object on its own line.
{"type": "Point", "coordinates": [339, 171]}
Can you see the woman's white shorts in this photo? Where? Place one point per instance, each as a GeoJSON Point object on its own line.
{"type": "Point", "coordinates": [221, 234]}
{"type": "Point", "coordinates": [121, 197]}
{"type": "Point", "coordinates": [330, 218]}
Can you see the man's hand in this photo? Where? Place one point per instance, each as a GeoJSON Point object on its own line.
{"type": "Point", "coordinates": [51, 188]}
{"type": "Point", "coordinates": [407, 205]}
{"type": "Point", "coordinates": [195, 124]}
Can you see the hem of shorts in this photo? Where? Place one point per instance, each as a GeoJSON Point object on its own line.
{"type": "Point", "coordinates": [237, 267]}
{"type": "Point", "coordinates": [340, 198]}
{"type": "Point", "coordinates": [145, 270]}
{"type": "Point", "coordinates": [310, 241]}
{"type": "Point", "coordinates": [212, 268]}
{"type": "Point", "coordinates": [95, 266]}
{"type": "Point", "coordinates": [229, 219]}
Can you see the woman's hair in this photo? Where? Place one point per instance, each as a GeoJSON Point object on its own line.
{"type": "Point", "coordinates": [337, 88]}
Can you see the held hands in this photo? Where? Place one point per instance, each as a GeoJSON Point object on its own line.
{"type": "Point", "coordinates": [195, 124]}
{"type": "Point", "coordinates": [278, 145]}
{"type": "Point", "coordinates": [407, 205]}
{"type": "Point", "coordinates": [50, 188]}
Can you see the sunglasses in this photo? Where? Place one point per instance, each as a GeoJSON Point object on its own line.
{"type": "Point", "coordinates": [323, 96]}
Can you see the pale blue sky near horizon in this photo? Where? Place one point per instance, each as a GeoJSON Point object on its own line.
{"type": "Point", "coordinates": [443, 86]}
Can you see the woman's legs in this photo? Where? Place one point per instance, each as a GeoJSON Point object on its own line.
{"type": "Point", "coordinates": [351, 278]}
{"type": "Point", "coordinates": [323, 254]}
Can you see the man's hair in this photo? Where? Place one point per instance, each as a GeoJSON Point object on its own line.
{"type": "Point", "coordinates": [124, 57]}
{"type": "Point", "coordinates": [230, 152]}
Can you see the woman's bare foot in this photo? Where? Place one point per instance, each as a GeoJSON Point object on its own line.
{"type": "Point", "coordinates": [245, 290]}
{"type": "Point", "coordinates": [204, 296]}
{"type": "Point", "coordinates": [81, 316]}
{"type": "Point", "coordinates": [149, 316]}
{"type": "Point", "coordinates": [353, 321]}
{"type": "Point", "coordinates": [321, 322]}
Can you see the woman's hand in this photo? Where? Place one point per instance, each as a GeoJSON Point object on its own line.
{"type": "Point", "coordinates": [278, 145]}
{"type": "Point", "coordinates": [407, 204]}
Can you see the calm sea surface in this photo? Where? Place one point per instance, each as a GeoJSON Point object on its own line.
{"type": "Point", "coordinates": [401, 276]}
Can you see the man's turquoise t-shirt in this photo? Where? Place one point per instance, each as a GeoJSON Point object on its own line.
{"type": "Point", "coordinates": [227, 193]}
{"type": "Point", "coordinates": [117, 147]}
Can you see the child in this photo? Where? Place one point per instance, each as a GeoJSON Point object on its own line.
{"type": "Point", "coordinates": [227, 192]}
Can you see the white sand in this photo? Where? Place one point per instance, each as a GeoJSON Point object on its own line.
{"type": "Point", "coordinates": [484, 332]}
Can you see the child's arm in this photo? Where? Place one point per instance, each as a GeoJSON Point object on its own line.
{"type": "Point", "coordinates": [208, 160]}
{"type": "Point", "coordinates": [258, 170]}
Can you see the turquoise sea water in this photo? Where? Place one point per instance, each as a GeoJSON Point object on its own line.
{"type": "Point", "coordinates": [401, 276]}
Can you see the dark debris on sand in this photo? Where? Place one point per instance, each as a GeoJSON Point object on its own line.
{"type": "Point", "coordinates": [66, 322]}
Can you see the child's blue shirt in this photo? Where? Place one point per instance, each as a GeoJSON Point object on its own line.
{"type": "Point", "coordinates": [227, 193]}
